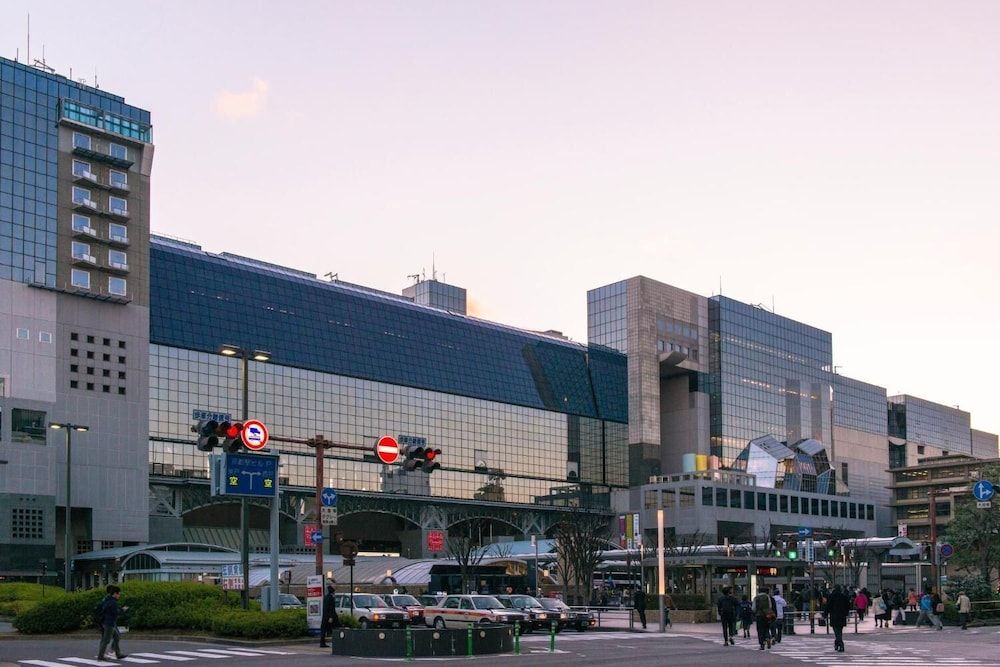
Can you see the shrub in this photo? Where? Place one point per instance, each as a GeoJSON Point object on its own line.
{"type": "Point", "coordinates": [60, 614]}
{"type": "Point", "coordinates": [15, 607]}
{"type": "Point", "coordinates": [258, 625]}
{"type": "Point", "coordinates": [12, 592]}
{"type": "Point", "coordinates": [348, 621]}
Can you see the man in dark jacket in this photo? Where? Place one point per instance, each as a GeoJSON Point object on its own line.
{"type": "Point", "coordinates": [110, 611]}
{"type": "Point", "coordinates": [639, 602]}
{"type": "Point", "coordinates": [727, 614]}
{"type": "Point", "coordinates": [838, 606]}
{"type": "Point", "coordinates": [330, 619]}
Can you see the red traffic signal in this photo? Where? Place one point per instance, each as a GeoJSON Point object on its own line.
{"type": "Point", "coordinates": [230, 432]}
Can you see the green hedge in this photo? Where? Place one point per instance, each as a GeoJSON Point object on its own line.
{"type": "Point", "coordinates": [152, 605]}
{"type": "Point", "coordinates": [259, 625]}
{"type": "Point", "coordinates": [13, 592]}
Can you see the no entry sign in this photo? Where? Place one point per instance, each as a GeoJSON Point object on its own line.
{"type": "Point", "coordinates": [387, 449]}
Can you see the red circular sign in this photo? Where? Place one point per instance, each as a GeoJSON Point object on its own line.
{"type": "Point", "coordinates": [254, 435]}
{"type": "Point", "coordinates": [387, 449]}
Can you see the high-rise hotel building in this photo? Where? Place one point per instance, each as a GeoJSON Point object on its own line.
{"type": "Point", "coordinates": [74, 317]}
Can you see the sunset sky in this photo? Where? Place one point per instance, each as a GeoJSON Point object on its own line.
{"type": "Point", "coordinates": [840, 160]}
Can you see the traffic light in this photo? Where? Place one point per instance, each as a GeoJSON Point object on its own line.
{"type": "Point", "coordinates": [778, 548]}
{"type": "Point", "coordinates": [208, 437]}
{"type": "Point", "coordinates": [831, 549]}
{"type": "Point", "coordinates": [230, 432]}
{"type": "Point", "coordinates": [45, 567]}
{"type": "Point", "coordinates": [420, 456]}
{"type": "Point", "coordinates": [431, 463]}
{"type": "Point", "coordinates": [793, 550]}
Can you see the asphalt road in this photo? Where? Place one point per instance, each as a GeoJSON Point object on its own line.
{"type": "Point", "coordinates": [979, 648]}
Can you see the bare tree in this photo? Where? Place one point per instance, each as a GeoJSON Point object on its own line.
{"type": "Point", "coordinates": [580, 539]}
{"type": "Point", "coordinates": [463, 546]}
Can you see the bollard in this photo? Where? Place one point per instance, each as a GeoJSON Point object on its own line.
{"type": "Point", "coordinates": [517, 637]}
{"type": "Point", "coordinates": [409, 643]}
{"type": "Point", "coordinates": [552, 638]}
{"type": "Point", "coordinates": [468, 634]}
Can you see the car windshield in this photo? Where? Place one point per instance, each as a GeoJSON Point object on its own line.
{"type": "Point", "coordinates": [487, 602]}
{"type": "Point", "coordinates": [550, 603]}
{"type": "Point", "coordinates": [407, 600]}
{"type": "Point", "coordinates": [369, 601]}
{"type": "Point", "coordinates": [525, 602]}
{"type": "Point", "coordinates": [287, 598]}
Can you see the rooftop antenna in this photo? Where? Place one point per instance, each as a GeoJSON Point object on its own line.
{"type": "Point", "coordinates": [415, 276]}
{"type": "Point", "coordinates": [434, 273]}
{"type": "Point", "coordinates": [331, 276]}
{"type": "Point", "coordinates": [41, 64]}
{"type": "Point", "coordinates": [28, 59]}
{"type": "Point", "coordinates": [95, 77]}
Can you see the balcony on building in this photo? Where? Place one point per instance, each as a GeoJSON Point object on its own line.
{"type": "Point", "coordinates": [84, 232]}
{"type": "Point", "coordinates": [118, 213]}
{"type": "Point", "coordinates": [118, 186]}
{"type": "Point", "coordinates": [84, 259]}
{"type": "Point", "coordinates": [120, 240]}
{"type": "Point", "coordinates": [88, 205]}
{"type": "Point", "coordinates": [120, 268]}
{"type": "Point", "coordinates": [86, 178]}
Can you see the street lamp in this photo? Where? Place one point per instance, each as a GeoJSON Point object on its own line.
{"type": "Point", "coordinates": [67, 552]}
{"type": "Point", "coordinates": [245, 355]}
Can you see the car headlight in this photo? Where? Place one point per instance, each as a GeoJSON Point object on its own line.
{"type": "Point", "coordinates": [375, 617]}
{"type": "Point", "coordinates": [564, 615]}
{"type": "Point", "coordinates": [543, 616]}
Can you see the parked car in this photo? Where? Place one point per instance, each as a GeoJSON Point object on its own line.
{"type": "Point", "coordinates": [414, 610]}
{"type": "Point", "coordinates": [289, 601]}
{"type": "Point", "coordinates": [431, 599]}
{"type": "Point", "coordinates": [581, 619]}
{"type": "Point", "coordinates": [370, 610]}
{"type": "Point", "coordinates": [458, 609]}
{"type": "Point", "coordinates": [538, 616]}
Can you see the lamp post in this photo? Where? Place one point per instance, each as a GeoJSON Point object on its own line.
{"type": "Point", "coordinates": [245, 356]}
{"type": "Point", "coordinates": [67, 551]}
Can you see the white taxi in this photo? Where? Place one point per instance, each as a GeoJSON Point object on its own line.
{"type": "Point", "coordinates": [462, 609]}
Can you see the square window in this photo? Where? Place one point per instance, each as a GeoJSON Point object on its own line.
{"type": "Point", "coordinates": [80, 278]}
{"type": "Point", "coordinates": [81, 168]}
{"type": "Point", "coordinates": [90, 386]}
{"type": "Point", "coordinates": [106, 389]}
{"type": "Point", "coordinates": [121, 375]}
{"type": "Point", "coordinates": [118, 232]}
{"type": "Point", "coordinates": [106, 341]}
{"type": "Point", "coordinates": [105, 357]}
{"type": "Point", "coordinates": [118, 151]}
{"type": "Point", "coordinates": [90, 370]}
{"type": "Point", "coordinates": [118, 205]}
{"type": "Point", "coordinates": [74, 368]}
{"type": "Point", "coordinates": [118, 259]}
{"type": "Point", "coordinates": [91, 339]}
{"type": "Point", "coordinates": [81, 251]}
{"type": "Point", "coordinates": [74, 352]}
{"type": "Point", "coordinates": [81, 223]}
{"type": "Point", "coordinates": [90, 354]}
{"type": "Point", "coordinates": [81, 196]}
{"type": "Point", "coordinates": [74, 336]}
{"type": "Point", "coordinates": [27, 426]}
{"type": "Point", "coordinates": [73, 384]}
{"type": "Point", "coordinates": [81, 141]}
{"type": "Point", "coordinates": [118, 179]}
{"type": "Point", "coordinates": [121, 344]}
{"type": "Point", "coordinates": [117, 286]}
{"type": "Point", "coordinates": [121, 391]}
{"type": "Point", "coordinates": [106, 373]}
{"type": "Point", "coordinates": [121, 360]}
{"type": "Point", "coordinates": [23, 334]}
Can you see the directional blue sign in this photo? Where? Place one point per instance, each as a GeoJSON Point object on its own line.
{"type": "Point", "coordinates": [317, 538]}
{"type": "Point", "coordinates": [983, 490]}
{"type": "Point", "coordinates": [805, 532]}
{"type": "Point", "coordinates": [328, 497]}
{"type": "Point", "coordinates": [249, 475]}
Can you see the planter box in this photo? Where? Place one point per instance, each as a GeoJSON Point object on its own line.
{"type": "Point", "coordinates": [427, 642]}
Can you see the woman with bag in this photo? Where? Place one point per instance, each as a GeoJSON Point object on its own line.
{"type": "Point", "coordinates": [881, 611]}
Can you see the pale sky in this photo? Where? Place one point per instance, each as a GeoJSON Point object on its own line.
{"type": "Point", "coordinates": [839, 158]}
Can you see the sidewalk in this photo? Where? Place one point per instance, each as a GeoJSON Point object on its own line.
{"type": "Point", "coordinates": [620, 622]}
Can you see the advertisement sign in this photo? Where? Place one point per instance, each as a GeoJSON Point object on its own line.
{"type": "Point", "coordinates": [314, 601]}
{"type": "Point", "coordinates": [636, 535]}
{"type": "Point", "coordinates": [435, 541]}
{"type": "Point", "coordinates": [231, 577]}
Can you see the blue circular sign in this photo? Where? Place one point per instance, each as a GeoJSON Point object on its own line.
{"type": "Point", "coordinates": [947, 551]}
{"type": "Point", "coordinates": [983, 490]}
{"type": "Point", "coordinates": [328, 497]}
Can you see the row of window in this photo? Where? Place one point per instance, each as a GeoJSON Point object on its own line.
{"type": "Point", "coordinates": [25, 334]}
{"type": "Point", "coordinates": [116, 205]}
{"type": "Point", "coordinates": [669, 346]}
{"type": "Point", "coordinates": [773, 502]}
{"type": "Point", "coordinates": [116, 232]}
{"type": "Point", "coordinates": [117, 259]}
{"type": "Point", "coordinates": [80, 279]}
{"type": "Point", "coordinates": [116, 179]}
{"type": "Point", "coordinates": [27, 523]}
{"type": "Point", "coordinates": [85, 142]}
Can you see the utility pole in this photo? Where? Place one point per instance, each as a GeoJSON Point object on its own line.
{"type": "Point", "coordinates": [320, 444]}
{"type": "Point", "coordinates": [932, 513]}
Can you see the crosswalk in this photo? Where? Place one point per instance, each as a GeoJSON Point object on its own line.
{"type": "Point", "coordinates": [858, 654]}
{"type": "Point", "coordinates": [159, 658]}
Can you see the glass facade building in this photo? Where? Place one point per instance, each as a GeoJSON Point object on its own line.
{"type": "Point", "coordinates": [768, 375]}
{"type": "Point", "coordinates": [354, 365]}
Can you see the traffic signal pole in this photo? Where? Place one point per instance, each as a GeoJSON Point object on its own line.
{"type": "Point", "coordinates": [244, 509]}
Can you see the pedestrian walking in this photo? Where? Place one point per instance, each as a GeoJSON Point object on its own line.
{"type": "Point", "coordinates": [639, 602]}
{"type": "Point", "coordinates": [108, 613]}
{"type": "Point", "coordinates": [668, 604]}
{"type": "Point", "coordinates": [880, 610]}
{"type": "Point", "coordinates": [927, 611]}
{"type": "Point", "coordinates": [912, 600]}
{"type": "Point", "coordinates": [727, 607]}
{"type": "Point", "coordinates": [764, 614]}
{"type": "Point", "coordinates": [861, 604]}
{"type": "Point", "coordinates": [779, 615]}
{"type": "Point", "coordinates": [746, 616]}
{"type": "Point", "coordinates": [964, 609]}
{"type": "Point", "coordinates": [838, 606]}
{"type": "Point", "coordinates": [330, 619]}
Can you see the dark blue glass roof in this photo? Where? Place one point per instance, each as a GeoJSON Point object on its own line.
{"type": "Point", "coordinates": [200, 301]}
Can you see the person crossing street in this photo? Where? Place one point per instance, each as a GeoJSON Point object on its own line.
{"type": "Point", "coordinates": [728, 606]}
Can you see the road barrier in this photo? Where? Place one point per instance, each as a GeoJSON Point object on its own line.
{"type": "Point", "coordinates": [416, 642]}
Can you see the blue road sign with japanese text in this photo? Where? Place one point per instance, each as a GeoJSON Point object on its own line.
{"type": "Point", "coordinates": [249, 475]}
{"type": "Point", "coordinates": [983, 490]}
